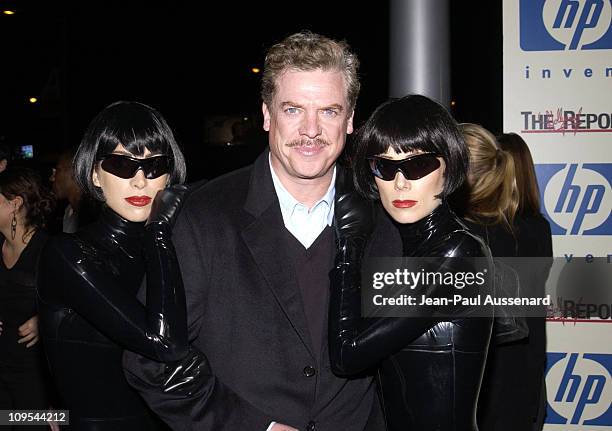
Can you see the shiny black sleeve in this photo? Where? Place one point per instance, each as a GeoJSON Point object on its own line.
{"type": "Point", "coordinates": [166, 309]}
{"type": "Point", "coordinates": [210, 404]}
{"type": "Point", "coordinates": [357, 343]}
{"type": "Point", "coordinates": [73, 275]}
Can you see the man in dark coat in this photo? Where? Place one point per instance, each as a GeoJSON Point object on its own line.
{"type": "Point", "coordinates": [255, 248]}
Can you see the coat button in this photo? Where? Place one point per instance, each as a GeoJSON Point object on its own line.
{"type": "Point", "coordinates": [309, 372]}
{"type": "Point", "coordinates": [312, 425]}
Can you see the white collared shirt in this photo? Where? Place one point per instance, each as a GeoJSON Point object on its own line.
{"type": "Point", "coordinates": [303, 223]}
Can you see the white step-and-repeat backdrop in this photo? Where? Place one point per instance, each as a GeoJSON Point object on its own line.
{"type": "Point", "coordinates": [558, 97]}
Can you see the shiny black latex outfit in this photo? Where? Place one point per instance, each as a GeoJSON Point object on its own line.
{"type": "Point", "coordinates": [429, 368]}
{"type": "Point", "coordinates": [89, 313]}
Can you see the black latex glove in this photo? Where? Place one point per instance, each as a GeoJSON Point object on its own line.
{"type": "Point", "coordinates": [166, 205]}
{"type": "Point", "coordinates": [165, 297]}
{"type": "Point", "coordinates": [186, 376]}
{"type": "Point", "coordinates": [354, 221]}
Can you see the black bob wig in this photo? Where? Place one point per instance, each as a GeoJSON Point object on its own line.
{"type": "Point", "coordinates": [412, 123]}
{"type": "Point", "coordinates": [136, 127]}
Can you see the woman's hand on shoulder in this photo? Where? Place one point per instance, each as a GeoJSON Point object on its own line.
{"type": "Point", "coordinates": [167, 205]}
{"type": "Point", "coordinates": [188, 375]}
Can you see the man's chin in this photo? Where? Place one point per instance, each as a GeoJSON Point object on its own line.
{"type": "Point", "coordinates": [312, 174]}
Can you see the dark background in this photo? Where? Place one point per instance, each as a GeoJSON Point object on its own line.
{"type": "Point", "coordinates": [193, 61]}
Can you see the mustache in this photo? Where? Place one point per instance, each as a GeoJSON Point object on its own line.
{"type": "Point", "coordinates": [304, 142]}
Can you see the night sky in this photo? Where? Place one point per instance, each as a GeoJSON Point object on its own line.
{"type": "Point", "coordinates": [193, 61]}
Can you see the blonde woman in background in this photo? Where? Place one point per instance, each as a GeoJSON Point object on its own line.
{"type": "Point", "coordinates": [493, 197]}
{"type": "Point", "coordinates": [503, 208]}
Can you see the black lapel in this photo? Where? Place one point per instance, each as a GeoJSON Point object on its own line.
{"type": "Point", "coordinates": [265, 239]}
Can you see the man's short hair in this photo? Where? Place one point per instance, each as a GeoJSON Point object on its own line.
{"type": "Point", "coordinates": [307, 51]}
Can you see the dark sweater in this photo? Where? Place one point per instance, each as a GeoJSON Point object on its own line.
{"type": "Point", "coordinates": [18, 304]}
{"type": "Point", "coordinates": [313, 281]}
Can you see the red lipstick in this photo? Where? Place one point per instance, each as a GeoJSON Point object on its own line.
{"type": "Point", "coordinates": [138, 201]}
{"type": "Point", "coordinates": [403, 204]}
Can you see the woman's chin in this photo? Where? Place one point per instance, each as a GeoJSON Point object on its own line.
{"type": "Point", "coordinates": [403, 215]}
{"type": "Point", "coordinates": [134, 214]}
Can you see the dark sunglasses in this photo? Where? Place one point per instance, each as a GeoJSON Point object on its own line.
{"type": "Point", "coordinates": [413, 168]}
{"type": "Point", "coordinates": [126, 167]}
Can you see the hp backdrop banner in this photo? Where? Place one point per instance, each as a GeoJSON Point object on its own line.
{"type": "Point", "coordinates": [558, 97]}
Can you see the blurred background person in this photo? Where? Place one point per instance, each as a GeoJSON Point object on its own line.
{"type": "Point", "coordinates": [4, 157]}
{"type": "Point", "coordinates": [536, 241]}
{"type": "Point", "coordinates": [492, 197]}
{"type": "Point", "coordinates": [74, 209]}
{"type": "Point", "coordinates": [503, 207]}
{"type": "Point", "coordinates": [24, 207]}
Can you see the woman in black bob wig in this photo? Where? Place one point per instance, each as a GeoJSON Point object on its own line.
{"type": "Point", "coordinates": [409, 158]}
{"type": "Point", "coordinates": [88, 281]}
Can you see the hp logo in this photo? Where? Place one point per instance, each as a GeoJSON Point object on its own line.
{"type": "Point", "coordinates": [578, 389]}
{"type": "Point", "coordinates": [554, 25]}
{"type": "Point", "coordinates": [576, 197]}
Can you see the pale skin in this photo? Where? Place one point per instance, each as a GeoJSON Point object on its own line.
{"type": "Point", "coordinates": [308, 121]}
{"type": "Point", "coordinates": [116, 189]}
{"type": "Point", "coordinates": [423, 190]}
{"type": "Point", "coordinates": [11, 250]}
{"type": "Point", "coordinates": [28, 331]}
